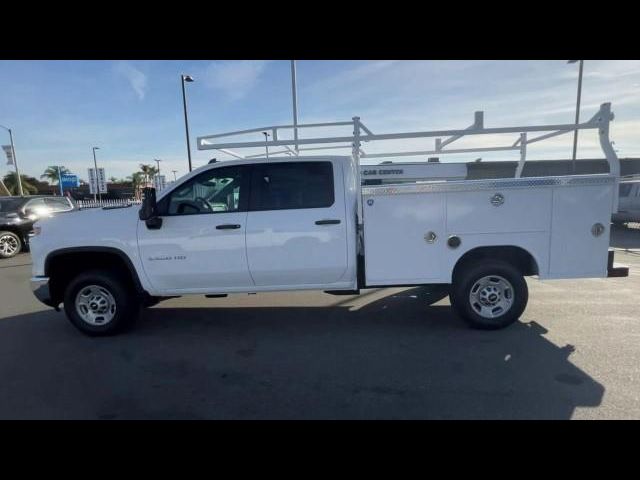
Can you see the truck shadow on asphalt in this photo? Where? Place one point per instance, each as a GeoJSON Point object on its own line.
{"type": "Point", "coordinates": [392, 358]}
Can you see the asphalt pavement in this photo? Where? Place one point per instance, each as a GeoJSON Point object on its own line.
{"type": "Point", "coordinates": [307, 355]}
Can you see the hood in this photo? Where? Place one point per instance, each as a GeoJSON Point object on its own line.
{"type": "Point", "coordinates": [92, 226]}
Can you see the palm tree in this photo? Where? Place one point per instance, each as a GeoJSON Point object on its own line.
{"type": "Point", "coordinates": [136, 180]}
{"type": "Point", "coordinates": [3, 189]}
{"type": "Point", "coordinates": [52, 174]}
{"type": "Point", "coordinates": [149, 171]}
{"type": "Point", "coordinates": [28, 184]}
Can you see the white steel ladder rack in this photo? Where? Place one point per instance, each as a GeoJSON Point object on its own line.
{"type": "Point", "coordinates": [361, 134]}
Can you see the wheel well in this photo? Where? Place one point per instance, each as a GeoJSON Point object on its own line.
{"type": "Point", "coordinates": [62, 267]}
{"type": "Point", "coordinates": [516, 256]}
{"type": "Point", "coordinates": [14, 230]}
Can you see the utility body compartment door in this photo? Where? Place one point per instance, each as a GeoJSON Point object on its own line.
{"type": "Point", "coordinates": [404, 238]}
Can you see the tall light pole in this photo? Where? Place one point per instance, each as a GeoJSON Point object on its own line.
{"type": "Point", "coordinates": [15, 162]}
{"type": "Point", "coordinates": [575, 132]}
{"type": "Point", "coordinates": [266, 143]}
{"type": "Point", "coordinates": [294, 95]}
{"type": "Point", "coordinates": [174, 174]}
{"type": "Point", "coordinates": [95, 164]}
{"type": "Point", "coordinates": [158, 172]}
{"type": "Point", "coordinates": [60, 181]}
{"type": "Point", "coordinates": [186, 78]}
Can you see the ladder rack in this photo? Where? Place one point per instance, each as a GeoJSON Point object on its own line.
{"type": "Point", "coordinates": [361, 134]}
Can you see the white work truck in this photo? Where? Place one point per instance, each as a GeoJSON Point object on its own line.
{"type": "Point", "coordinates": [284, 221]}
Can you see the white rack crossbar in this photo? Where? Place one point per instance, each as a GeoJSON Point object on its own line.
{"type": "Point", "coordinates": [362, 134]}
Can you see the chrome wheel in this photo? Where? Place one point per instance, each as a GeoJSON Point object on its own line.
{"type": "Point", "coordinates": [9, 245]}
{"type": "Point", "coordinates": [491, 296]}
{"type": "Point", "coordinates": [95, 305]}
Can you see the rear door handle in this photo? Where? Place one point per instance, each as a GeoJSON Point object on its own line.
{"type": "Point", "coordinates": [327, 222]}
{"type": "Point", "coordinates": [227, 226]}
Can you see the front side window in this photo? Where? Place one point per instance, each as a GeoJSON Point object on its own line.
{"type": "Point", "coordinates": [215, 191]}
{"type": "Point", "coordinates": [292, 185]}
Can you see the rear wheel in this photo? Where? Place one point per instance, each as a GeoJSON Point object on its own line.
{"type": "Point", "coordinates": [99, 302]}
{"type": "Point", "coordinates": [490, 294]}
{"type": "Point", "coordinates": [10, 244]}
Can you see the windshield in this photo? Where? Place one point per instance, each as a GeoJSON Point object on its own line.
{"type": "Point", "coordinates": [8, 205]}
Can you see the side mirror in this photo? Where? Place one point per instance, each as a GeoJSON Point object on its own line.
{"type": "Point", "coordinates": [149, 210]}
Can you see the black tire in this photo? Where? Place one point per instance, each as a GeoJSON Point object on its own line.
{"type": "Point", "coordinates": [7, 236]}
{"type": "Point", "coordinates": [484, 294]}
{"type": "Point", "coordinates": [127, 304]}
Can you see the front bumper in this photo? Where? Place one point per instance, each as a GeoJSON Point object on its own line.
{"type": "Point", "coordinates": [40, 288]}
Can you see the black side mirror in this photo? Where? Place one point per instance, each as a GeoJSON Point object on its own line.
{"type": "Point", "coordinates": [149, 210]}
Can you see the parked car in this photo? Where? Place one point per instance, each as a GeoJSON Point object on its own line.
{"type": "Point", "coordinates": [629, 204]}
{"type": "Point", "coordinates": [17, 216]}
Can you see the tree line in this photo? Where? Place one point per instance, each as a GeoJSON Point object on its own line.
{"type": "Point", "coordinates": [31, 185]}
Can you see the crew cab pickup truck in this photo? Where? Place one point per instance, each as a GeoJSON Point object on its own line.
{"type": "Point", "coordinates": [306, 222]}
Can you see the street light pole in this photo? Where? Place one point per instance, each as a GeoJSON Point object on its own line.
{"type": "Point", "coordinates": [266, 143]}
{"type": "Point", "coordinates": [186, 78]}
{"type": "Point", "coordinates": [575, 132]}
{"type": "Point", "coordinates": [60, 180]}
{"type": "Point", "coordinates": [15, 161]}
{"type": "Point", "coordinates": [95, 164]}
{"type": "Point", "coordinates": [158, 172]}
{"type": "Point", "coordinates": [294, 95]}
{"type": "Point", "coordinates": [174, 174]}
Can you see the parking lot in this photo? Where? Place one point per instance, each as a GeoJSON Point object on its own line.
{"type": "Point", "coordinates": [384, 354]}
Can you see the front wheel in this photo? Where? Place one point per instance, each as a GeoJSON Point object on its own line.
{"type": "Point", "coordinates": [100, 303]}
{"type": "Point", "coordinates": [490, 294]}
{"type": "Point", "coordinates": [10, 244]}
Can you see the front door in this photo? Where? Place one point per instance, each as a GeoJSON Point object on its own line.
{"type": "Point", "coordinates": [296, 228]}
{"type": "Point", "coordinates": [200, 246]}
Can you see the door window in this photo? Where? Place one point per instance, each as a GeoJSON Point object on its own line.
{"type": "Point", "coordinates": [292, 185]}
{"type": "Point", "coordinates": [215, 191]}
{"type": "Point", "coordinates": [57, 204]}
{"type": "Point", "coordinates": [36, 207]}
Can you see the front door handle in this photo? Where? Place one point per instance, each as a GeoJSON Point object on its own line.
{"type": "Point", "coordinates": [327, 222]}
{"type": "Point", "coordinates": [227, 226]}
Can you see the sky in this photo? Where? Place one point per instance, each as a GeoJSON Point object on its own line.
{"type": "Point", "coordinates": [132, 110]}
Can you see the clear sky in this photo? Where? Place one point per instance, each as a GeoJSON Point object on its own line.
{"type": "Point", "coordinates": [132, 110]}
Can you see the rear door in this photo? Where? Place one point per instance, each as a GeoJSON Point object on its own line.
{"type": "Point", "coordinates": [296, 225]}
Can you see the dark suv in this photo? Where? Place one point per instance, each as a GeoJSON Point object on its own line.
{"type": "Point", "coordinates": [17, 216]}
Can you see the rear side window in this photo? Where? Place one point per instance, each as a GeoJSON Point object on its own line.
{"type": "Point", "coordinates": [292, 185]}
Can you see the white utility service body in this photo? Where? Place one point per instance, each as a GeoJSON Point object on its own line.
{"type": "Point", "coordinates": [416, 227]}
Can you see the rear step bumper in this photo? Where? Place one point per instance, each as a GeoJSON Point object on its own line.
{"type": "Point", "coordinates": [615, 270]}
